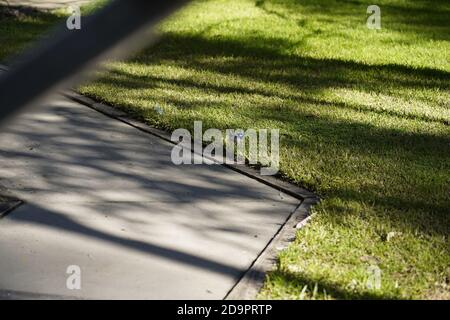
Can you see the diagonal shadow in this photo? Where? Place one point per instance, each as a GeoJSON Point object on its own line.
{"type": "Point", "coordinates": [51, 219]}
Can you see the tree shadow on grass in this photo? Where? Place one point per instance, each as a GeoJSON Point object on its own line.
{"type": "Point", "coordinates": [259, 58]}
{"type": "Point", "coordinates": [290, 92]}
{"type": "Point", "coordinates": [416, 18]}
{"type": "Point", "coordinates": [19, 27]}
{"type": "Point", "coordinates": [149, 81]}
{"type": "Point", "coordinates": [299, 281]}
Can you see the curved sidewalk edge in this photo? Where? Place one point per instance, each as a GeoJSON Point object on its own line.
{"type": "Point", "coordinates": [248, 286]}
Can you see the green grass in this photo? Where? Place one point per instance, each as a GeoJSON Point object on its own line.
{"type": "Point", "coordinates": [20, 30]}
{"type": "Point", "coordinates": [363, 118]}
{"type": "Point", "coordinates": [16, 33]}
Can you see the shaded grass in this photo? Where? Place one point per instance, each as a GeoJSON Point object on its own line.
{"type": "Point", "coordinates": [20, 30]}
{"type": "Point", "coordinates": [363, 117]}
{"type": "Point", "coordinates": [20, 27]}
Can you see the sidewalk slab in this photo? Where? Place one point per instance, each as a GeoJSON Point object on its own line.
{"type": "Point", "coordinates": [106, 197]}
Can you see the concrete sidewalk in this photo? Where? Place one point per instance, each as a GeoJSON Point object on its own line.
{"type": "Point", "coordinates": [106, 197]}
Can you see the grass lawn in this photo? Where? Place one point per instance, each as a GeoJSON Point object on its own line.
{"type": "Point", "coordinates": [363, 115]}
